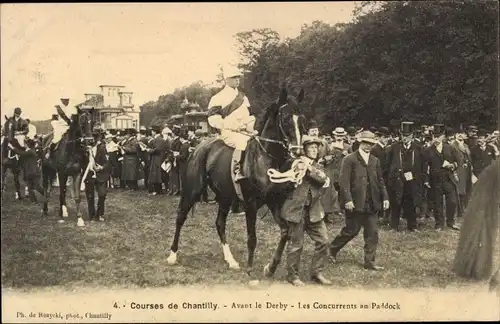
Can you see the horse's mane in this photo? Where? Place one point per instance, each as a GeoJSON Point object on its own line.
{"type": "Point", "coordinates": [474, 256]}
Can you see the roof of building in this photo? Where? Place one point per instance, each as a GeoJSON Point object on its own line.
{"type": "Point", "coordinates": [111, 85]}
{"type": "Point", "coordinates": [95, 101]}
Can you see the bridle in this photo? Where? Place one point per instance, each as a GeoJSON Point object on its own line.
{"type": "Point", "coordinates": [285, 143]}
{"type": "Point", "coordinates": [81, 126]}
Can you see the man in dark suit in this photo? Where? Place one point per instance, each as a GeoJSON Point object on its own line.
{"type": "Point", "coordinates": [482, 154]}
{"type": "Point", "coordinates": [406, 177]}
{"type": "Point", "coordinates": [97, 177]}
{"type": "Point", "coordinates": [363, 195]}
{"type": "Point", "coordinates": [304, 212]}
{"type": "Point", "coordinates": [379, 151]}
{"type": "Point", "coordinates": [442, 161]}
{"type": "Point", "coordinates": [156, 151]}
{"type": "Point", "coordinates": [31, 169]}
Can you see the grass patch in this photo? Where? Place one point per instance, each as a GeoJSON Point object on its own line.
{"type": "Point", "coordinates": [131, 249]}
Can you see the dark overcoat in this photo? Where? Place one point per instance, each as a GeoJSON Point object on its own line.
{"type": "Point", "coordinates": [355, 175]}
{"type": "Point", "coordinates": [313, 181]}
{"type": "Point", "coordinates": [395, 175]}
{"type": "Point", "coordinates": [157, 156]}
{"type": "Point", "coordinates": [130, 166]}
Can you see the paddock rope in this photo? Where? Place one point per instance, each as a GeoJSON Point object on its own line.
{"type": "Point", "coordinates": [295, 174]}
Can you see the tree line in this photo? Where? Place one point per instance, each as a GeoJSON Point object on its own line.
{"type": "Point", "coordinates": [422, 61]}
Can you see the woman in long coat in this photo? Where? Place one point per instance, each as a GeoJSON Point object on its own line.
{"type": "Point", "coordinates": [130, 166]}
{"type": "Point", "coordinates": [157, 156]}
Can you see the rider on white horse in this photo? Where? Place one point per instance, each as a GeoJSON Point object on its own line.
{"type": "Point", "coordinates": [228, 111]}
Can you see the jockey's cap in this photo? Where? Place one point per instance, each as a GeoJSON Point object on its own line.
{"type": "Point", "coordinates": [231, 71]}
{"type": "Point", "coordinates": [306, 140]}
{"type": "Point", "coordinates": [17, 111]}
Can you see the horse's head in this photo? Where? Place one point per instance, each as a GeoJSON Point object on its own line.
{"type": "Point", "coordinates": [84, 127]}
{"type": "Point", "coordinates": [284, 122]}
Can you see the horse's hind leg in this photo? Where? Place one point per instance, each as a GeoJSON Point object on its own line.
{"type": "Point", "coordinates": [251, 220]}
{"type": "Point", "coordinates": [63, 210]}
{"type": "Point", "coordinates": [4, 176]}
{"type": "Point", "coordinates": [17, 172]}
{"type": "Point", "coordinates": [270, 268]}
{"type": "Point", "coordinates": [220, 224]}
{"type": "Point", "coordinates": [188, 199]}
{"type": "Point", "coordinates": [495, 281]}
{"type": "Point", "coordinates": [78, 198]}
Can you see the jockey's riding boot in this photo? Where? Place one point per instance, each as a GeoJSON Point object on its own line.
{"type": "Point", "coordinates": [238, 172]}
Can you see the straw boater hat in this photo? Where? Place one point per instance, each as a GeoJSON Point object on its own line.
{"type": "Point", "coordinates": [367, 137]}
{"type": "Point", "coordinates": [306, 140]}
{"type": "Point", "coordinates": [339, 131]}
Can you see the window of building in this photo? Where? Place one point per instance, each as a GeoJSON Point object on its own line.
{"type": "Point", "coordinates": [109, 92]}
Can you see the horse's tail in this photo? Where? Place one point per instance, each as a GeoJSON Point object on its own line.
{"type": "Point", "coordinates": [474, 255]}
{"type": "Point", "coordinates": [194, 177]}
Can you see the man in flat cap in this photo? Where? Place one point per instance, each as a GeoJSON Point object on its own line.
{"type": "Point", "coordinates": [442, 161]}
{"type": "Point", "coordinates": [362, 194]}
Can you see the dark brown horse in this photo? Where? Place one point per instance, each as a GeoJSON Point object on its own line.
{"type": "Point", "coordinates": [478, 237]}
{"type": "Point", "coordinates": [10, 160]}
{"type": "Point", "coordinates": [68, 160]}
{"type": "Point", "coordinates": [278, 140]}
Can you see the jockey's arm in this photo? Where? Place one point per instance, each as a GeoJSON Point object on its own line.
{"type": "Point", "coordinates": [215, 119]}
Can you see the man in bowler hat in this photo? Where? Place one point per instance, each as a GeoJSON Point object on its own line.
{"type": "Point", "coordinates": [442, 161]}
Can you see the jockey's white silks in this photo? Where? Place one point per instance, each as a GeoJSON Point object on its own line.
{"type": "Point", "coordinates": [236, 119]}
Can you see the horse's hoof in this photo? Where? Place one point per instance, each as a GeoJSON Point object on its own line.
{"type": "Point", "coordinates": [64, 211]}
{"type": "Point", "coordinates": [172, 258]}
{"type": "Point", "coordinates": [60, 221]}
{"type": "Point", "coordinates": [267, 271]}
{"type": "Point", "coordinates": [234, 266]}
{"type": "Point", "coordinates": [80, 222]}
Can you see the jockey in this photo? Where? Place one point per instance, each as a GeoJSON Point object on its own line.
{"type": "Point", "coordinates": [20, 127]}
{"type": "Point", "coordinates": [31, 129]}
{"type": "Point", "coordinates": [66, 115]}
{"type": "Point", "coordinates": [228, 112]}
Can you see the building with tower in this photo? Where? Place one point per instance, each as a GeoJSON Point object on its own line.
{"type": "Point", "coordinates": [113, 107]}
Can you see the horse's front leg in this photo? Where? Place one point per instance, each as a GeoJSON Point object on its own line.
{"type": "Point", "coordinates": [77, 180]}
{"type": "Point", "coordinates": [63, 210]}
